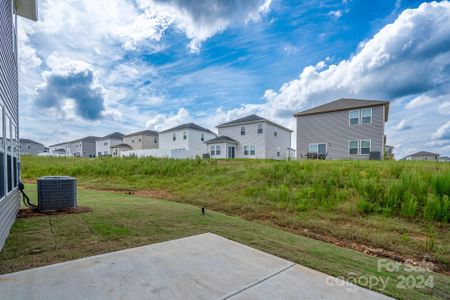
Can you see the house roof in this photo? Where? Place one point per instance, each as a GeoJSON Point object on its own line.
{"type": "Point", "coordinates": [251, 119]}
{"type": "Point", "coordinates": [142, 132]}
{"type": "Point", "coordinates": [29, 141]}
{"type": "Point", "coordinates": [344, 104]}
{"type": "Point", "coordinates": [423, 153]}
{"type": "Point", "coordinates": [222, 138]}
{"type": "Point", "coordinates": [27, 9]}
{"type": "Point", "coordinates": [123, 145]}
{"type": "Point", "coordinates": [187, 126]}
{"type": "Point", "coordinates": [114, 135]}
{"type": "Point", "coordinates": [89, 138]}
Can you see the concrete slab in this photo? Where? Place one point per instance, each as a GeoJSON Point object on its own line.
{"type": "Point", "coordinates": [205, 266]}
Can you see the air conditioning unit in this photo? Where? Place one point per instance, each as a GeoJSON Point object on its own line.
{"type": "Point", "coordinates": [56, 193]}
{"type": "Point", "coordinates": [375, 155]}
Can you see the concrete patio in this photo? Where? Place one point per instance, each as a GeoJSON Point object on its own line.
{"type": "Point", "coordinates": [204, 266]}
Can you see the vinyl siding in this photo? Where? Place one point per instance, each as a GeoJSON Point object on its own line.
{"type": "Point", "coordinates": [192, 142]}
{"type": "Point", "coordinates": [147, 142]}
{"type": "Point", "coordinates": [279, 143]}
{"type": "Point", "coordinates": [101, 147]}
{"type": "Point", "coordinates": [35, 148]}
{"type": "Point", "coordinates": [9, 204]}
{"type": "Point", "coordinates": [333, 129]}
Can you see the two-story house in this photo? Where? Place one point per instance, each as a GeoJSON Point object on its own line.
{"type": "Point", "coordinates": [251, 137]}
{"type": "Point", "coordinates": [145, 139]}
{"type": "Point", "coordinates": [343, 129]}
{"type": "Point", "coordinates": [30, 147]}
{"type": "Point", "coordinates": [190, 137]}
{"type": "Point", "coordinates": [104, 145]}
{"type": "Point", "coordinates": [9, 110]}
{"type": "Point", "coordinates": [84, 147]}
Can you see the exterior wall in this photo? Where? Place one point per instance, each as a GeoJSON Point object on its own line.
{"type": "Point", "coordinates": [88, 149]}
{"type": "Point", "coordinates": [251, 137]}
{"type": "Point", "coordinates": [333, 129]}
{"type": "Point", "coordinates": [116, 151]}
{"type": "Point", "coordinates": [427, 157]}
{"type": "Point", "coordinates": [66, 147]}
{"type": "Point", "coordinates": [223, 150]}
{"type": "Point", "coordinates": [138, 142]}
{"type": "Point", "coordinates": [163, 153]}
{"type": "Point", "coordinates": [192, 142]}
{"type": "Point", "coordinates": [103, 146]}
{"type": "Point", "coordinates": [9, 145]}
{"type": "Point", "coordinates": [277, 147]}
{"type": "Point", "coordinates": [31, 148]}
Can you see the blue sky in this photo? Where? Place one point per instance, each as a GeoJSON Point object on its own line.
{"type": "Point", "coordinates": [94, 67]}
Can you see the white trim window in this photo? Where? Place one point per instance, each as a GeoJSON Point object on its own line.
{"type": "Point", "coordinates": [366, 116]}
{"type": "Point", "coordinates": [252, 150]}
{"type": "Point", "coordinates": [174, 136]}
{"type": "Point", "coordinates": [275, 133]}
{"type": "Point", "coordinates": [353, 147]}
{"type": "Point", "coordinates": [2, 155]}
{"type": "Point", "coordinates": [202, 137]}
{"type": "Point", "coordinates": [155, 140]}
{"type": "Point", "coordinates": [353, 117]}
{"type": "Point", "coordinates": [319, 148]}
{"type": "Point", "coordinates": [260, 128]}
{"type": "Point", "coordinates": [365, 147]}
{"type": "Point", "coordinates": [217, 149]}
{"type": "Point", "coordinates": [246, 151]}
{"type": "Point", "coordinates": [242, 130]}
{"type": "Point", "coordinates": [184, 135]}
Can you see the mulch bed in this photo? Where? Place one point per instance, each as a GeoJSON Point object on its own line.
{"type": "Point", "coordinates": [30, 212]}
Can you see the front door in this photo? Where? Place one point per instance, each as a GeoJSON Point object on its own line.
{"type": "Point", "coordinates": [322, 149]}
{"type": "Point", "coordinates": [231, 151]}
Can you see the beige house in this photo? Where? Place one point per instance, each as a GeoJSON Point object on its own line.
{"type": "Point", "coordinates": [145, 139]}
{"type": "Point", "coordinates": [423, 155]}
{"type": "Point", "coordinates": [117, 149]}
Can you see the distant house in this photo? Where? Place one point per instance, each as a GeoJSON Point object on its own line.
{"type": "Point", "coordinates": [84, 147]}
{"type": "Point", "coordinates": [30, 147]}
{"type": "Point", "coordinates": [117, 149]}
{"type": "Point", "coordinates": [104, 145]}
{"type": "Point", "coordinates": [190, 137]}
{"type": "Point", "coordinates": [343, 129]}
{"type": "Point", "coordinates": [444, 158]}
{"type": "Point", "coordinates": [423, 155]}
{"type": "Point", "coordinates": [251, 137]}
{"type": "Point", "coordinates": [145, 139]}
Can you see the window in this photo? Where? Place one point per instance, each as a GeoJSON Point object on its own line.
{"type": "Point", "coordinates": [319, 148]}
{"type": "Point", "coordinates": [242, 130]}
{"type": "Point", "coordinates": [213, 150]}
{"type": "Point", "coordinates": [2, 156]}
{"type": "Point", "coordinates": [132, 141]}
{"type": "Point", "coordinates": [28, 146]}
{"type": "Point", "coordinates": [9, 172]}
{"type": "Point", "coordinates": [105, 143]}
{"type": "Point", "coordinates": [365, 147]}
{"type": "Point", "coordinates": [260, 128]}
{"type": "Point", "coordinates": [353, 147]}
{"type": "Point", "coordinates": [217, 149]}
{"type": "Point", "coordinates": [105, 152]}
{"type": "Point", "coordinates": [184, 135]}
{"type": "Point", "coordinates": [252, 150]}
{"type": "Point", "coordinates": [246, 152]}
{"type": "Point", "coordinates": [278, 153]}
{"type": "Point", "coordinates": [174, 136]}
{"type": "Point", "coordinates": [354, 117]}
{"type": "Point", "coordinates": [99, 154]}
{"type": "Point", "coordinates": [366, 116]}
{"type": "Point", "coordinates": [275, 133]}
{"type": "Point", "coordinates": [155, 140]}
{"type": "Point", "coordinates": [202, 137]}
{"type": "Point", "coordinates": [140, 140]}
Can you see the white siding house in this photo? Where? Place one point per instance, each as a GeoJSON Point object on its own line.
{"type": "Point", "coordinates": [254, 137]}
{"type": "Point", "coordinates": [103, 146]}
{"type": "Point", "coordinates": [190, 137]}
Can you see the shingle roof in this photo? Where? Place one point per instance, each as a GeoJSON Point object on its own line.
{"type": "Point", "coordinates": [29, 141]}
{"type": "Point", "coordinates": [123, 145]}
{"type": "Point", "coordinates": [114, 135]}
{"type": "Point", "coordinates": [342, 104]}
{"type": "Point", "coordinates": [89, 138]}
{"type": "Point", "coordinates": [188, 126]}
{"type": "Point", "coordinates": [423, 153]}
{"type": "Point", "coordinates": [222, 138]}
{"type": "Point", "coordinates": [142, 132]}
{"type": "Point", "coordinates": [250, 119]}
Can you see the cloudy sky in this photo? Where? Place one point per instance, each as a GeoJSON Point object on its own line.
{"type": "Point", "coordinates": [94, 67]}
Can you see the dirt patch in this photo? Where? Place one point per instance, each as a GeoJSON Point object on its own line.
{"type": "Point", "coordinates": [30, 212]}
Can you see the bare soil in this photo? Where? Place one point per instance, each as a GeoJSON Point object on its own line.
{"type": "Point", "coordinates": [31, 212]}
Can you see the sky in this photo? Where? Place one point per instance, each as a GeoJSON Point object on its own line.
{"type": "Point", "coordinates": [95, 67]}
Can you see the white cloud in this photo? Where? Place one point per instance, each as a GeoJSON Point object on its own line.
{"type": "Point", "coordinates": [165, 121]}
{"type": "Point", "coordinates": [419, 101]}
{"type": "Point", "coordinates": [402, 125]}
{"type": "Point", "coordinates": [443, 132]}
{"type": "Point", "coordinates": [336, 13]}
{"type": "Point", "coordinates": [444, 108]}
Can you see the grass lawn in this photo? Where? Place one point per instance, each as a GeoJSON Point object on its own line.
{"type": "Point", "coordinates": [121, 221]}
{"type": "Point", "coordinates": [389, 209]}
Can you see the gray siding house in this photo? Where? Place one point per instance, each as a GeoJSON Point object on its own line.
{"type": "Point", "coordinates": [30, 147]}
{"type": "Point", "coordinates": [103, 146]}
{"type": "Point", "coordinates": [251, 137]}
{"type": "Point", "coordinates": [145, 139]}
{"type": "Point", "coordinates": [423, 155]}
{"type": "Point", "coordinates": [9, 110]}
{"type": "Point", "coordinates": [84, 147]}
{"type": "Point", "coordinates": [343, 129]}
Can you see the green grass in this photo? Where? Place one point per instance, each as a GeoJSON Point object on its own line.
{"type": "Point", "coordinates": [399, 207]}
{"type": "Point", "coordinates": [120, 221]}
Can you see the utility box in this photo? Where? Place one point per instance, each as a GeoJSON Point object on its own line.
{"type": "Point", "coordinates": [56, 193]}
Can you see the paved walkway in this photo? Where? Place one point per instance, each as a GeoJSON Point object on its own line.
{"type": "Point", "coordinates": [204, 266]}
